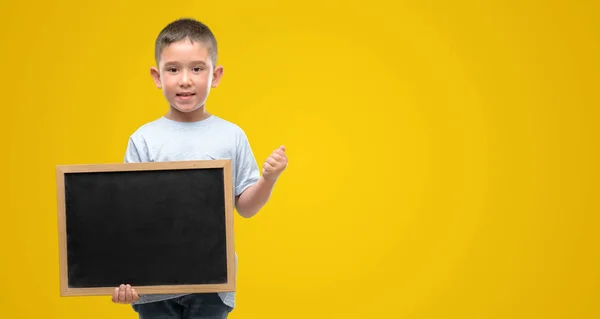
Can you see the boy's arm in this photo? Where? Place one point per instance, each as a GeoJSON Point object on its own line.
{"type": "Point", "coordinates": [251, 200]}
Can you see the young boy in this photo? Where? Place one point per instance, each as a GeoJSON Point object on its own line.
{"type": "Point", "coordinates": [186, 70]}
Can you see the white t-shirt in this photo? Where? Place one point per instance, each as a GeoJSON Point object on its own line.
{"type": "Point", "coordinates": [213, 138]}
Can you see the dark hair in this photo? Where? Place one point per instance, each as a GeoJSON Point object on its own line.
{"type": "Point", "coordinates": [186, 28]}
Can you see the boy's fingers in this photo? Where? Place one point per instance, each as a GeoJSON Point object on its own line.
{"type": "Point", "coordinates": [278, 157]}
{"type": "Point", "coordinates": [115, 295]}
{"type": "Point", "coordinates": [272, 161]}
{"type": "Point", "coordinates": [128, 296]}
{"type": "Point", "coordinates": [134, 294]}
{"type": "Point", "coordinates": [122, 294]}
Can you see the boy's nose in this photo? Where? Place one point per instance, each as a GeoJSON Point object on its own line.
{"type": "Point", "coordinates": [185, 80]}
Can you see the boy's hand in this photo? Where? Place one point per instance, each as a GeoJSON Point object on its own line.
{"type": "Point", "coordinates": [124, 295]}
{"type": "Point", "coordinates": [275, 164]}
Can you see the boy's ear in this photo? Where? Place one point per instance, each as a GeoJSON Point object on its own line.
{"type": "Point", "coordinates": [217, 75]}
{"type": "Point", "coordinates": [156, 77]}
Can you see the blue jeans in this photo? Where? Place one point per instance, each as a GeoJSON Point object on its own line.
{"type": "Point", "coordinates": [193, 306]}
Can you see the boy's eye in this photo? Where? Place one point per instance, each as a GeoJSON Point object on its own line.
{"type": "Point", "coordinates": [172, 69]}
{"type": "Point", "coordinates": [197, 69]}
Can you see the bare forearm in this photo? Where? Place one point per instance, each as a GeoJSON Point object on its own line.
{"type": "Point", "coordinates": [254, 197]}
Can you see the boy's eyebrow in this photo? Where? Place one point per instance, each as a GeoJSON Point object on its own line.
{"type": "Point", "coordinates": [176, 63]}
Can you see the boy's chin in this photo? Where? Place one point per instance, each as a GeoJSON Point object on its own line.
{"type": "Point", "coordinates": [186, 108]}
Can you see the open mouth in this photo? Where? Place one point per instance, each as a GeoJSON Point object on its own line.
{"type": "Point", "coordinates": [185, 95]}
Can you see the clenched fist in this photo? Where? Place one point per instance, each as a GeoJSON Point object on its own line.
{"type": "Point", "coordinates": [275, 164]}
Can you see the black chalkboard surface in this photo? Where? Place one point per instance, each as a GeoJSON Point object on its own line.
{"type": "Point", "coordinates": [162, 227]}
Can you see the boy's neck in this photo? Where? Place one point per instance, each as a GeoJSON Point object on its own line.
{"type": "Point", "coordinates": [194, 116]}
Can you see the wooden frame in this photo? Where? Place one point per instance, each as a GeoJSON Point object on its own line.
{"type": "Point", "coordinates": [63, 170]}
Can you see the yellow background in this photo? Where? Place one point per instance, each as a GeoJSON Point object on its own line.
{"type": "Point", "coordinates": [443, 154]}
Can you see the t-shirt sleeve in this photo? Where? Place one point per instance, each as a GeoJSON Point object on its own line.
{"type": "Point", "coordinates": [135, 152]}
{"type": "Point", "coordinates": [247, 172]}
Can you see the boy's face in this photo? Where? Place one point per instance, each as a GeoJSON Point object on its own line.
{"type": "Point", "coordinates": [185, 74]}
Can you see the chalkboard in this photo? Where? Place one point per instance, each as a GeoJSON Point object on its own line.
{"type": "Point", "coordinates": [162, 227]}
